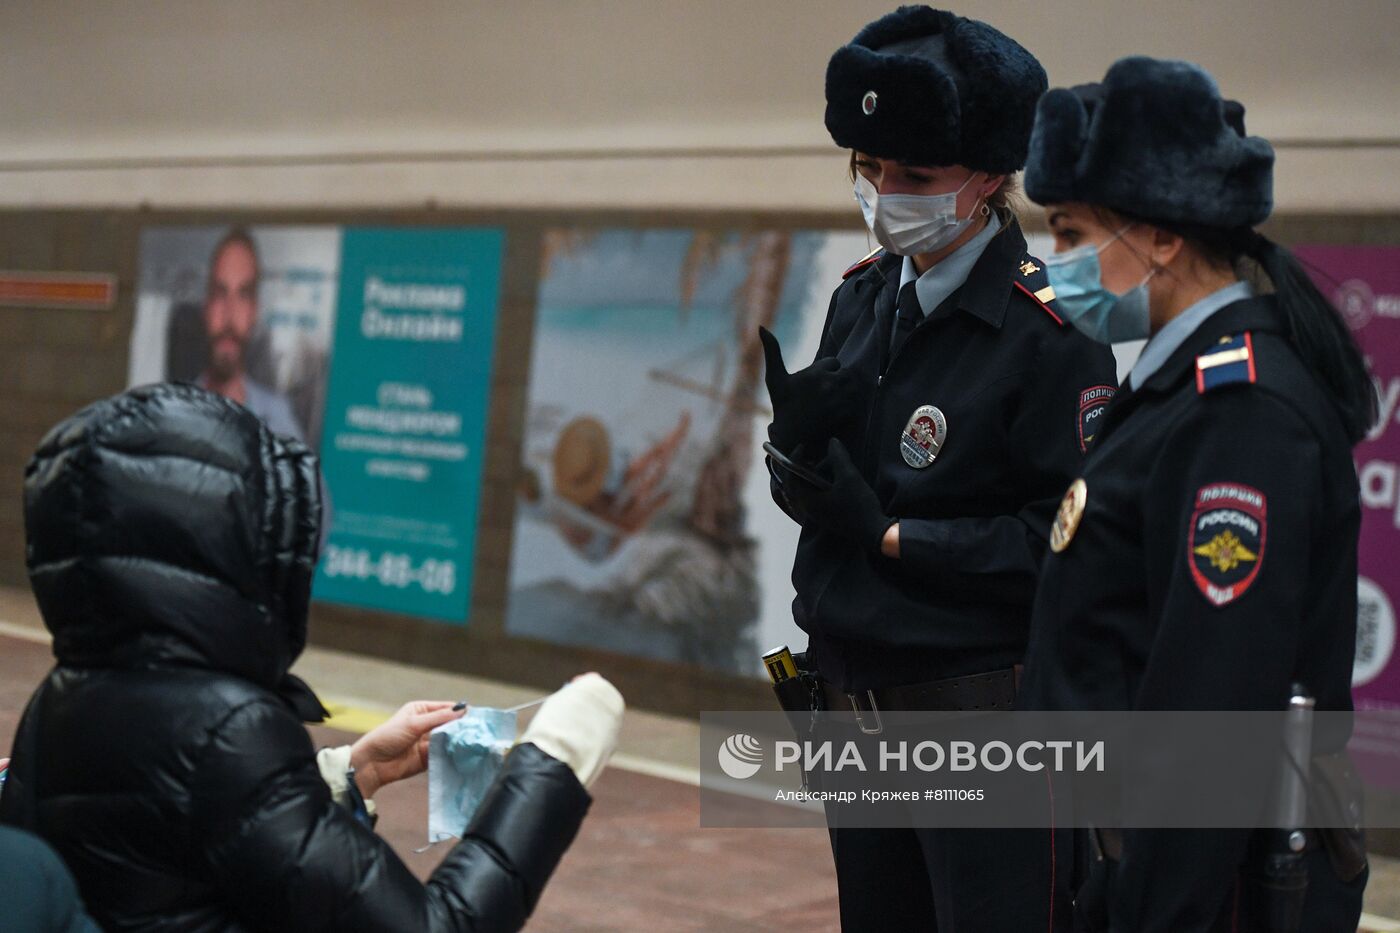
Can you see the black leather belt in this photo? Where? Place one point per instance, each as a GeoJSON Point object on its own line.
{"type": "Point", "coordinates": [1107, 842]}
{"type": "Point", "coordinates": [994, 690]}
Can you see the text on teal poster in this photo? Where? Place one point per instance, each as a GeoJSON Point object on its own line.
{"type": "Point", "coordinates": [405, 423]}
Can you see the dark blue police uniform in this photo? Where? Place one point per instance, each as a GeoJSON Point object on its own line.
{"type": "Point", "coordinates": [1206, 559]}
{"type": "Point", "coordinates": [1211, 565]}
{"type": "Point", "coordinates": [1019, 394]}
{"type": "Point", "coordinates": [943, 626]}
{"type": "Point", "coordinates": [960, 421]}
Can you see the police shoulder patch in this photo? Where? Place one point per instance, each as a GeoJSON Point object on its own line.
{"type": "Point", "coordinates": [1092, 402]}
{"type": "Point", "coordinates": [1225, 547]}
{"type": "Point", "coordinates": [1229, 361]}
{"type": "Point", "coordinates": [870, 259]}
{"type": "Point", "coordinates": [1030, 278]}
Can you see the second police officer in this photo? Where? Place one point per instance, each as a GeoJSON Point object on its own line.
{"type": "Point", "coordinates": [1206, 559]}
{"type": "Point", "coordinates": [950, 404]}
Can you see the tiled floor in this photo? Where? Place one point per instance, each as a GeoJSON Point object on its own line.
{"type": "Point", "coordinates": [641, 862]}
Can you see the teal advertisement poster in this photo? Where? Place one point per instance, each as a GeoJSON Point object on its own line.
{"type": "Point", "coordinates": [374, 346]}
{"type": "Point", "coordinates": [405, 423]}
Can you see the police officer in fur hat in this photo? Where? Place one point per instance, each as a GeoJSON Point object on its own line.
{"type": "Point", "coordinates": [949, 405]}
{"type": "Point", "coordinates": [1205, 558]}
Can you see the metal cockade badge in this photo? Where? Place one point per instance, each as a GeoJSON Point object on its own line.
{"type": "Point", "coordinates": [923, 437]}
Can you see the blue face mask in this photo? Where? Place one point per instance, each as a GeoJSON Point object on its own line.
{"type": "Point", "coordinates": [464, 757]}
{"type": "Point", "coordinates": [1097, 312]}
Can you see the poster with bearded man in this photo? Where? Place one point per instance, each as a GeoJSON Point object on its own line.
{"type": "Point", "coordinates": [247, 312]}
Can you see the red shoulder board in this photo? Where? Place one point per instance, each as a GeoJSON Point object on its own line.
{"type": "Point", "coordinates": [1031, 279]}
{"type": "Point", "coordinates": [865, 263]}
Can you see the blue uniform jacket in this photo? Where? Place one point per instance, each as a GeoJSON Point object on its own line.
{"type": "Point", "coordinates": [1213, 565]}
{"type": "Point", "coordinates": [1019, 392]}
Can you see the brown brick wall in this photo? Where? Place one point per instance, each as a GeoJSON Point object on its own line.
{"type": "Point", "coordinates": [54, 361]}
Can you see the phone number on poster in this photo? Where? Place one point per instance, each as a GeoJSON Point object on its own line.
{"type": "Point", "coordinates": [391, 569]}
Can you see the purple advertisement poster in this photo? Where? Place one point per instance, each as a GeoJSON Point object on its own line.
{"type": "Point", "coordinates": [1364, 283]}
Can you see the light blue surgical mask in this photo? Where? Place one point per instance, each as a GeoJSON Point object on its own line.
{"type": "Point", "coordinates": [464, 757]}
{"type": "Point", "coordinates": [1080, 294]}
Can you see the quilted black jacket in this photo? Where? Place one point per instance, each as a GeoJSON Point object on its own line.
{"type": "Point", "coordinates": [171, 543]}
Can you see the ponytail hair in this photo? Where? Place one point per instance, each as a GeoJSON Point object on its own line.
{"type": "Point", "coordinates": [1318, 334]}
{"type": "Point", "coordinates": [1314, 328]}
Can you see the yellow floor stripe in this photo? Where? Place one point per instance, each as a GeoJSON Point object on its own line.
{"type": "Point", "coordinates": [25, 633]}
{"type": "Point", "coordinates": [348, 718]}
{"type": "Point", "coordinates": [1370, 923]}
{"type": "Point", "coordinates": [681, 774]}
{"type": "Point", "coordinates": [345, 715]}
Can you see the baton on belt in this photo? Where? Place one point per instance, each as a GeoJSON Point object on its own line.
{"type": "Point", "coordinates": [1284, 878]}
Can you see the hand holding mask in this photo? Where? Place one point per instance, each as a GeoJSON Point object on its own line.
{"type": "Point", "coordinates": [464, 757]}
{"type": "Point", "coordinates": [578, 725]}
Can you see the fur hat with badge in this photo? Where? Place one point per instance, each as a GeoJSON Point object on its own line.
{"type": "Point", "coordinates": [928, 87]}
{"type": "Point", "coordinates": [1154, 141]}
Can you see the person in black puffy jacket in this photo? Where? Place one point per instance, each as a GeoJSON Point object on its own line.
{"type": "Point", "coordinates": [171, 543]}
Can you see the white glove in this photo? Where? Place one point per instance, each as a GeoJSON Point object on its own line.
{"type": "Point", "coordinates": [578, 725]}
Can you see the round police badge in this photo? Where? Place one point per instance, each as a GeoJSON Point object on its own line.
{"type": "Point", "coordinates": [1071, 512]}
{"type": "Point", "coordinates": [923, 436]}
{"type": "Point", "coordinates": [869, 102]}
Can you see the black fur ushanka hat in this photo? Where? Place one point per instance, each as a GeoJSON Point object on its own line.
{"type": "Point", "coordinates": [927, 87]}
{"type": "Point", "coordinates": [1154, 140]}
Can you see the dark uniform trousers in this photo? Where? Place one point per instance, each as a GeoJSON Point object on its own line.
{"type": "Point", "coordinates": [1020, 393]}
{"type": "Point", "coordinates": [1213, 565]}
{"type": "Point", "coordinates": [965, 880]}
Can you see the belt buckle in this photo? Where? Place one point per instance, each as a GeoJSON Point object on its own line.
{"type": "Point", "coordinates": [874, 710]}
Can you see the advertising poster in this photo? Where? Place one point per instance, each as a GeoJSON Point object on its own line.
{"type": "Point", "coordinates": [644, 523]}
{"type": "Point", "coordinates": [246, 311]}
{"type": "Point", "coordinates": [372, 346]}
{"type": "Point", "coordinates": [406, 415]}
{"type": "Point", "coordinates": [1364, 284]}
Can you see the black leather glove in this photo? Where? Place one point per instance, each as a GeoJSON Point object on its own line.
{"type": "Point", "coordinates": [810, 404]}
{"type": "Point", "coordinates": [849, 507]}
{"type": "Point", "coordinates": [792, 487]}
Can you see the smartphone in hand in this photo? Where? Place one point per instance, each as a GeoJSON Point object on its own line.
{"type": "Point", "coordinates": [802, 472]}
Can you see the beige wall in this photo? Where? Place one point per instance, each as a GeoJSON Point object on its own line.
{"type": "Point", "coordinates": [534, 103]}
{"type": "Point", "coordinates": [117, 114]}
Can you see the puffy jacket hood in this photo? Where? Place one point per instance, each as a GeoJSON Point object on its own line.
{"type": "Point", "coordinates": [168, 526]}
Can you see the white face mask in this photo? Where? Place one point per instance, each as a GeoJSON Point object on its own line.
{"type": "Point", "coordinates": [909, 224]}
